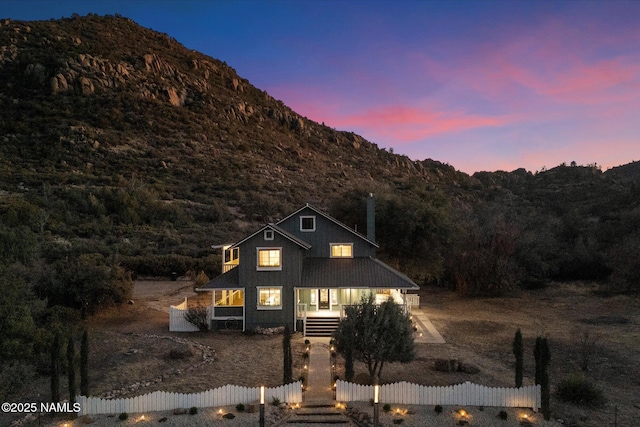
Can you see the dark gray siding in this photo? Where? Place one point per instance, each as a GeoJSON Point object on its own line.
{"type": "Point", "coordinates": [326, 232]}
{"type": "Point", "coordinates": [288, 278]}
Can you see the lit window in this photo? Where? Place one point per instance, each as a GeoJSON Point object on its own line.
{"type": "Point", "coordinates": [269, 259]}
{"type": "Point", "coordinates": [228, 298]}
{"type": "Point", "coordinates": [307, 223]}
{"type": "Point", "coordinates": [269, 298]}
{"type": "Point", "coordinates": [342, 250]}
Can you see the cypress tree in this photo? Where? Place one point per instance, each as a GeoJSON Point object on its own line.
{"type": "Point", "coordinates": [536, 356]}
{"type": "Point", "coordinates": [71, 369]}
{"type": "Point", "coordinates": [545, 358]}
{"type": "Point", "coordinates": [287, 376]}
{"type": "Point", "coordinates": [84, 364]}
{"type": "Point", "coordinates": [518, 352]}
{"type": "Point", "coordinates": [55, 368]}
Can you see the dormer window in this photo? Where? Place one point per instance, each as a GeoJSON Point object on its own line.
{"type": "Point", "coordinates": [307, 223]}
{"type": "Point", "coordinates": [269, 259]}
{"type": "Point", "coordinates": [268, 234]}
{"type": "Point", "coordinates": [341, 250]}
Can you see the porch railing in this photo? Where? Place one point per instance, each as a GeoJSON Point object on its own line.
{"type": "Point", "coordinates": [301, 313]}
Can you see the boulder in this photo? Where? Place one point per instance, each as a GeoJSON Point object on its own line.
{"type": "Point", "coordinates": [179, 411]}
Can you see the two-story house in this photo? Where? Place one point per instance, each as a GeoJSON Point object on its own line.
{"type": "Point", "coordinates": [301, 271]}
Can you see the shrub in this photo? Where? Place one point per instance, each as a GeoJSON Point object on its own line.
{"type": "Point", "coordinates": [307, 342]}
{"type": "Point", "coordinates": [193, 410]}
{"type": "Point", "coordinates": [240, 407]}
{"type": "Point", "coordinates": [386, 407]}
{"type": "Point", "coordinates": [123, 416]}
{"type": "Point", "coordinates": [578, 390]}
{"type": "Point", "coordinates": [198, 316]}
{"type": "Point", "coordinates": [398, 421]}
{"type": "Point", "coordinates": [275, 401]}
{"type": "Point", "coordinates": [438, 409]}
{"type": "Point", "coordinates": [228, 416]}
{"type": "Point", "coordinates": [503, 415]}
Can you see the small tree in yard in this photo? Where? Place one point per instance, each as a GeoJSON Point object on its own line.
{"type": "Point", "coordinates": [344, 341]}
{"type": "Point", "coordinates": [518, 352]}
{"type": "Point", "coordinates": [287, 375]}
{"type": "Point", "coordinates": [71, 369]}
{"type": "Point", "coordinates": [198, 316]}
{"type": "Point", "coordinates": [84, 364]}
{"type": "Point", "coordinates": [55, 368]}
{"type": "Point", "coordinates": [542, 356]}
{"type": "Point", "coordinates": [375, 335]}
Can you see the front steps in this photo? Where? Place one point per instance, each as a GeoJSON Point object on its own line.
{"type": "Point", "coordinates": [319, 415]}
{"type": "Point", "coordinates": [321, 326]}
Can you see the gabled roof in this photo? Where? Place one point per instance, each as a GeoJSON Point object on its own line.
{"type": "Point", "coordinates": [330, 218]}
{"type": "Point", "coordinates": [228, 280]}
{"type": "Point", "coordinates": [362, 272]}
{"type": "Point", "coordinates": [280, 231]}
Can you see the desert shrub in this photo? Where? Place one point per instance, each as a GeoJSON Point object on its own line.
{"type": "Point", "coordinates": [240, 407]}
{"type": "Point", "coordinates": [386, 407]}
{"type": "Point", "coordinates": [198, 316]}
{"type": "Point", "coordinates": [275, 401]}
{"type": "Point", "coordinates": [123, 416]}
{"type": "Point", "coordinates": [438, 409]}
{"type": "Point", "coordinates": [193, 410]}
{"type": "Point", "coordinates": [578, 390]}
{"type": "Point", "coordinates": [201, 279]}
{"type": "Point", "coordinates": [503, 415]}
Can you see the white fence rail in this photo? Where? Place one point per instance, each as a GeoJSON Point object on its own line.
{"type": "Point", "coordinates": [177, 322]}
{"type": "Point", "coordinates": [413, 300]}
{"type": "Point", "coordinates": [165, 401]}
{"type": "Point", "coordinates": [461, 394]}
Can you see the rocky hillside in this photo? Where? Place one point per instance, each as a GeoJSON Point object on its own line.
{"type": "Point", "coordinates": [93, 97]}
{"type": "Point", "coordinates": [116, 139]}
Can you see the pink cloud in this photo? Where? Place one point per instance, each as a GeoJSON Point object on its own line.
{"type": "Point", "coordinates": [409, 124]}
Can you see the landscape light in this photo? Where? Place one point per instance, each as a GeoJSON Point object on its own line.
{"type": "Point", "coordinates": [376, 394]}
{"type": "Point", "coordinates": [262, 395]}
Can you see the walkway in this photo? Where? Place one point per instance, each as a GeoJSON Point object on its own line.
{"type": "Point", "coordinates": [319, 387]}
{"type": "Point", "coordinates": [427, 333]}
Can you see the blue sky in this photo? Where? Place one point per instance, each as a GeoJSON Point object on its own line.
{"type": "Point", "coordinates": [481, 85]}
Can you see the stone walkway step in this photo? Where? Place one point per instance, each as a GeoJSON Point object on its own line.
{"type": "Point", "coordinates": [319, 414]}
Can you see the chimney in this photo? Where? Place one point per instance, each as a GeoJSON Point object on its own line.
{"type": "Point", "coordinates": [371, 218]}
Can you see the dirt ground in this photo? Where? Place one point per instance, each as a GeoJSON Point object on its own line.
{"type": "Point", "coordinates": [131, 346]}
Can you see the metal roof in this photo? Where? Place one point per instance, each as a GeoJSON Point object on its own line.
{"type": "Point", "coordinates": [228, 280]}
{"type": "Point", "coordinates": [352, 273]}
{"type": "Point", "coordinates": [280, 231]}
{"type": "Point", "coordinates": [330, 218]}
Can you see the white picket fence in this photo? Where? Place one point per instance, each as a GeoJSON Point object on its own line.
{"type": "Point", "coordinates": [467, 394]}
{"type": "Point", "coordinates": [177, 322]}
{"type": "Point", "coordinates": [165, 401]}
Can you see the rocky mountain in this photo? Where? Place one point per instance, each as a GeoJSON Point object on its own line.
{"type": "Point", "coordinates": [116, 139]}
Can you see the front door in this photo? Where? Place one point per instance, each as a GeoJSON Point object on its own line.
{"type": "Point", "coordinates": [323, 299]}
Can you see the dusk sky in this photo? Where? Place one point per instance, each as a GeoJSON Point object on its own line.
{"type": "Point", "coordinates": [480, 85]}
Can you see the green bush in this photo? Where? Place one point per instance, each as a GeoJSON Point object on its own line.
{"type": "Point", "coordinates": [275, 401]}
{"type": "Point", "coordinates": [193, 410]}
{"type": "Point", "coordinates": [240, 407]}
{"type": "Point", "coordinates": [438, 409]}
{"type": "Point", "coordinates": [123, 416]}
{"type": "Point", "coordinates": [576, 389]}
{"type": "Point", "coordinates": [386, 407]}
{"type": "Point", "coordinates": [503, 415]}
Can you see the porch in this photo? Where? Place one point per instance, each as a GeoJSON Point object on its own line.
{"type": "Point", "coordinates": [318, 311]}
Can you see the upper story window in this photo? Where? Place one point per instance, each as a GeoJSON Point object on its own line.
{"type": "Point", "coordinates": [341, 250]}
{"type": "Point", "coordinates": [268, 234]}
{"type": "Point", "coordinates": [307, 223]}
{"type": "Point", "coordinates": [269, 259]}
